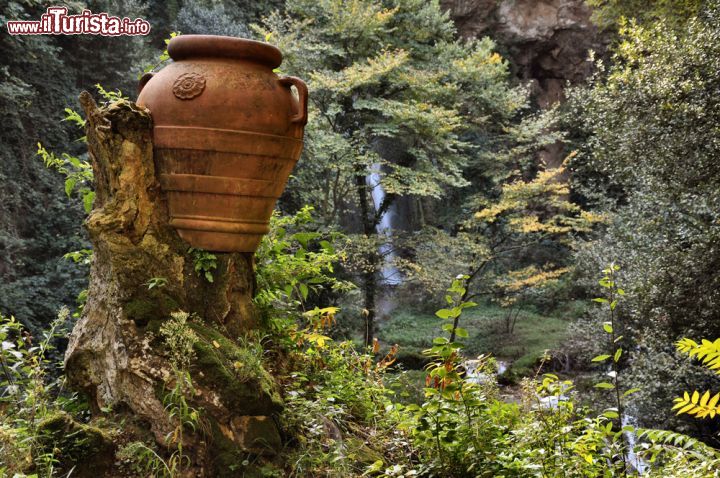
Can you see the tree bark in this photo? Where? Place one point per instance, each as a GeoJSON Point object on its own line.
{"type": "Point", "coordinates": [370, 275]}
{"type": "Point", "coordinates": [115, 354]}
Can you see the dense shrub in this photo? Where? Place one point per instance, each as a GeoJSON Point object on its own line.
{"type": "Point", "coordinates": [649, 157]}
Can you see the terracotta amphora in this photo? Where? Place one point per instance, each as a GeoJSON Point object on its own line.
{"type": "Point", "coordinates": [227, 133]}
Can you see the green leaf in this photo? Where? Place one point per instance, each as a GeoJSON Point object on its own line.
{"type": "Point", "coordinates": [304, 237]}
{"type": "Point", "coordinates": [607, 326]}
{"type": "Point", "coordinates": [618, 353]}
{"type": "Point", "coordinates": [327, 247]}
{"type": "Point", "coordinates": [378, 465]}
{"type": "Point", "coordinates": [630, 391]}
{"type": "Point", "coordinates": [460, 332]}
{"type": "Point", "coordinates": [88, 199]}
{"type": "Point", "coordinates": [605, 385]}
{"type": "Point", "coordinates": [602, 300]}
{"type": "Point", "coordinates": [600, 358]}
{"type": "Point", "coordinates": [303, 291]}
{"type": "Point", "coordinates": [69, 186]}
{"type": "Point", "coordinates": [444, 313]}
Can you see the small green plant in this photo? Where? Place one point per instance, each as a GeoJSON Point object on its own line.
{"type": "Point", "coordinates": [30, 391]}
{"type": "Point", "coordinates": [109, 95]}
{"type": "Point", "coordinates": [82, 256]}
{"type": "Point", "coordinates": [180, 341]}
{"type": "Point", "coordinates": [446, 423]}
{"type": "Point", "coordinates": [163, 58]}
{"type": "Point", "coordinates": [296, 259]}
{"type": "Point", "coordinates": [156, 282]}
{"type": "Point", "coordinates": [142, 459]}
{"type": "Point", "coordinates": [609, 282]}
{"type": "Point", "coordinates": [455, 298]}
{"type": "Point", "coordinates": [334, 389]}
{"type": "Point", "coordinates": [185, 416]}
{"type": "Point", "coordinates": [78, 171]}
{"type": "Point", "coordinates": [78, 174]}
{"type": "Point", "coordinates": [204, 262]}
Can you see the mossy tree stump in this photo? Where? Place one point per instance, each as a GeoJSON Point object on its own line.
{"type": "Point", "coordinates": [114, 354]}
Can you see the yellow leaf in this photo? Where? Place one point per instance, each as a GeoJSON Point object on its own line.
{"type": "Point", "coordinates": [714, 400]}
{"type": "Point", "coordinates": [216, 344]}
{"type": "Point", "coordinates": [680, 403]}
{"type": "Point", "coordinates": [686, 409]}
{"type": "Point", "coordinates": [705, 398]}
{"type": "Point", "coordinates": [695, 397]}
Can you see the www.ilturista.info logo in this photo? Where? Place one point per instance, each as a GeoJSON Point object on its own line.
{"type": "Point", "coordinates": [56, 21]}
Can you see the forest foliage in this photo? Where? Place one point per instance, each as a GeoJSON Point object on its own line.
{"type": "Point", "coordinates": [438, 129]}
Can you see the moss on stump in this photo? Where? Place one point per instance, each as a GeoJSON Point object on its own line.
{"type": "Point", "coordinates": [86, 449]}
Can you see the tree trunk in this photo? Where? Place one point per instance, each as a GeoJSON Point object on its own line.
{"type": "Point", "coordinates": [116, 354]}
{"type": "Point", "coordinates": [370, 275]}
{"type": "Point", "coordinates": [370, 283]}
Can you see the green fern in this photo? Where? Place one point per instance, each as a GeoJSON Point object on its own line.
{"type": "Point", "coordinates": [678, 440]}
{"type": "Point", "coordinates": [673, 444]}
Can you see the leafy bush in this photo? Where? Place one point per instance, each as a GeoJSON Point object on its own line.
{"type": "Point", "coordinates": [608, 13]}
{"type": "Point", "coordinates": [648, 158]}
{"type": "Point", "coordinates": [32, 395]}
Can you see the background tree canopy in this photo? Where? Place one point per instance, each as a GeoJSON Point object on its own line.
{"type": "Point", "coordinates": [401, 111]}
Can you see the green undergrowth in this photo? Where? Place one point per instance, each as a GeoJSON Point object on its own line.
{"type": "Point", "coordinates": [343, 415]}
{"type": "Point", "coordinates": [236, 370]}
{"type": "Point", "coordinates": [532, 335]}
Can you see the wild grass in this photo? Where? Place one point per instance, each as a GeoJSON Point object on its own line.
{"type": "Point", "coordinates": [532, 334]}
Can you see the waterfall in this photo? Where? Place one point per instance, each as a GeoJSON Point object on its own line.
{"type": "Point", "coordinates": [637, 462]}
{"type": "Point", "coordinates": [474, 373]}
{"type": "Point", "coordinates": [390, 275]}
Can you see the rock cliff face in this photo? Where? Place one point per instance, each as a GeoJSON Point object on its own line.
{"type": "Point", "coordinates": [547, 41]}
